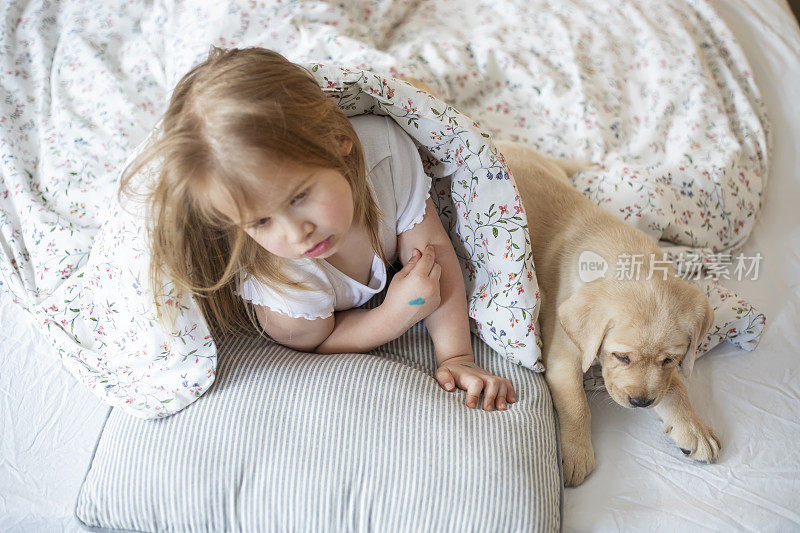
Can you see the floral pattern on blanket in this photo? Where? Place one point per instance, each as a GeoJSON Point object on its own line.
{"type": "Point", "coordinates": [657, 93]}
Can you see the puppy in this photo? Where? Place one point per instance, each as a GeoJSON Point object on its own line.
{"type": "Point", "coordinates": [641, 330]}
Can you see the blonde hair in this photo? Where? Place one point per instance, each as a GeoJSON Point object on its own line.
{"type": "Point", "coordinates": [227, 114]}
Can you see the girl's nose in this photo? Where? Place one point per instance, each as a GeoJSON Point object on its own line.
{"type": "Point", "coordinates": [299, 230]}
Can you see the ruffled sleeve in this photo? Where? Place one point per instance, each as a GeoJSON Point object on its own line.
{"type": "Point", "coordinates": [311, 304]}
{"type": "Point", "coordinates": [412, 187]}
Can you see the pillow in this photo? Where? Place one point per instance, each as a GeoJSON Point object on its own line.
{"type": "Point", "coordinates": [291, 441]}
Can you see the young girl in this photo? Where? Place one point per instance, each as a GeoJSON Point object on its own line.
{"type": "Point", "coordinates": [270, 200]}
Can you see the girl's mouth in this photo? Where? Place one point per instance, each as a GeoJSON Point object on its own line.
{"type": "Point", "coordinates": [320, 248]}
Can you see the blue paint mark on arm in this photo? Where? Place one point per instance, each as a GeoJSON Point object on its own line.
{"type": "Point", "coordinates": [417, 301]}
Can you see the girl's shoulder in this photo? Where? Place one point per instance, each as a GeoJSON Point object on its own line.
{"type": "Point", "coordinates": [394, 170]}
{"type": "Point", "coordinates": [381, 138]}
{"type": "Point", "coordinates": [373, 132]}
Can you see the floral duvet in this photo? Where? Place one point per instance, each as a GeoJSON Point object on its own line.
{"type": "Point", "coordinates": [658, 93]}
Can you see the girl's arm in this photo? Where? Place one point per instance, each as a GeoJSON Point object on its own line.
{"type": "Point", "coordinates": [448, 325]}
{"type": "Point", "coordinates": [413, 294]}
{"type": "Point", "coordinates": [359, 331]}
{"type": "Point", "coordinates": [294, 332]}
{"type": "Point", "coordinates": [353, 331]}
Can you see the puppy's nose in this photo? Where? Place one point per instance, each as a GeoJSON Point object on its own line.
{"type": "Point", "coordinates": [640, 402]}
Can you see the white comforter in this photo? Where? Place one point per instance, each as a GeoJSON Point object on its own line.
{"type": "Point", "coordinates": [658, 93]}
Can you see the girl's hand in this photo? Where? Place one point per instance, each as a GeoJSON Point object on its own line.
{"type": "Point", "coordinates": [414, 291]}
{"type": "Point", "coordinates": [497, 392]}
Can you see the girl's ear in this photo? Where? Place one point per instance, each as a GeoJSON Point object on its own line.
{"type": "Point", "coordinates": [345, 145]}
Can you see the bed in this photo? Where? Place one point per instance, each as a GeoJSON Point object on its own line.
{"type": "Point", "coordinates": [51, 423]}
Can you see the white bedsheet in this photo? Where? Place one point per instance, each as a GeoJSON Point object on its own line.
{"type": "Point", "coordinates": [751, 399]}
{"type": "Point", "coordinates": [50, 421]}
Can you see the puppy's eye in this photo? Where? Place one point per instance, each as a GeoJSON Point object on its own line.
{"type": "Point", "coordinates": [666, 361]}
{"type": "Point", "coordinates": [622, 357]}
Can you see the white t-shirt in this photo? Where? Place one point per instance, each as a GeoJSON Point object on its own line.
{"type": "Point", "coordinates": [399, 187]}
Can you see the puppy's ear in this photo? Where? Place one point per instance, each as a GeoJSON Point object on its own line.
{"type": "Point", "coordinates": [704, 318]}
{"type": "Point", "coordinates": [582, 320]}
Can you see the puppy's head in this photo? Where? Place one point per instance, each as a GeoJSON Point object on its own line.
{"type": "Point", "coordinates": [640, 332]}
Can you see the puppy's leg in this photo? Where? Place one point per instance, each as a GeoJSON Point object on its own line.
{"type": "Point", "coordinates": [565, 380]}
{"type": "Point", "coordinates": [695, 439]}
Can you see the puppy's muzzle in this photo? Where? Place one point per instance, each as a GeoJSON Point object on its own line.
{"type": "Point", "coordinates": [641, 401]}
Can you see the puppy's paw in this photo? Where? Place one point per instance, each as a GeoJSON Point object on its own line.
{"type": "Point", "coordinates": [577, 456]}
{"type": "Point", "coordinates": [695, 439]}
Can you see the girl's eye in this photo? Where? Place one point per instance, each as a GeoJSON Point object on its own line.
{"type": "Point", "coordinates": [624, 358]}
{"type": "Point", "coordinates": [666, 361]}
{"type": "Point", "coordinates": [262, 222]}
{"type": "Point", "coordinates": [299, 197]}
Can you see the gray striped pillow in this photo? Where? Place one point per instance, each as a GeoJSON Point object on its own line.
{"type": "Point", "coordinates": [289, 441]}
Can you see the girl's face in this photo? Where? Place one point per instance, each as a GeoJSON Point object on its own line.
{"type": "Point", "coordinates": [303, 212]}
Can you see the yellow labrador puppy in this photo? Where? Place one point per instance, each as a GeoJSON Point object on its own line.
{"type": "Point", "coordinates": [640, 329]}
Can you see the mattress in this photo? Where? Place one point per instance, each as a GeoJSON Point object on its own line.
{"type": "Point", "coordinates": [752, 399]}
